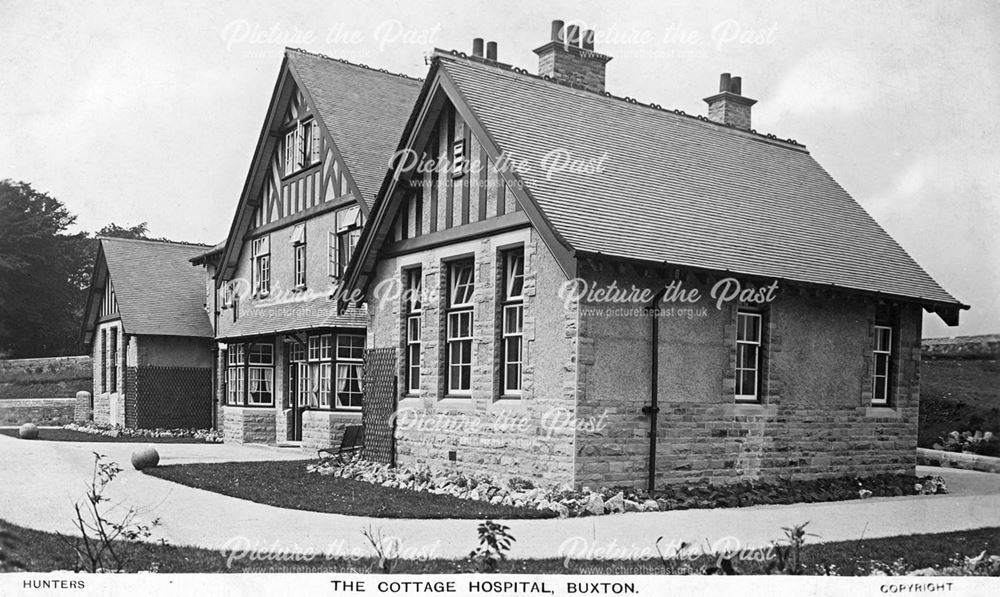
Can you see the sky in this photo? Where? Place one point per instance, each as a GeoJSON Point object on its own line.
{"type": "Point", "coordinates": [135, 112]}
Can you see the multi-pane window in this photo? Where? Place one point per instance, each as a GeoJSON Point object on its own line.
{"type": "Point", "coordinates": [512, 323]}
{"type": "Point", "coordinates": [319, 370]}
{"type": "Point", "coordinates": [291, 142]}
{"type": "Point", "coordinates": [301, 146]}
{"type": "Point", "coordinates": [113, 360]}
{"type": "Point", "coordinates": [299, 256]}
{"type": "Point", "coordinates": [458, 358]}
{"type": "Point", "coordinates": [348, 232]}
{"type": "Point", "coordinates": [332, 266]}
{"type": "Point", "coordinates": [235, 363]}
{"type": "Point", "coordinates": [350, 354]}
{"type": "Point", "coordinates": [414, 308]}
{"type": "Point", "coordinates": [261, 375]}
{"type": "Point", "coordinates": [748, 348]}
{"type": "Point", "coordinates": [104, 360]}
{"type": "Point", "coordinates": [261, 265]}
{"type": "Point", "coordinates": [250, 374]}
{"type": "Point", "coordinates": [882, 362]}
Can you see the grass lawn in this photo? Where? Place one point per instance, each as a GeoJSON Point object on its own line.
{"type": "Point", "coordinates": [287, 485]}
{"type": "Point", "coordinates": [958, 395]}
{"type": "Point", "coordinates": [68, 435]}
{"type": "Point", "coordinates": [42, 552]}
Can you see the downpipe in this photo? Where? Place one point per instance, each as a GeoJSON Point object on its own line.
{"type": "Point", "coordinates": [653, 409]}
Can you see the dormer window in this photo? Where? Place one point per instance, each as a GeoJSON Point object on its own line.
{"type": "Point", "coordinates": [301, 146]}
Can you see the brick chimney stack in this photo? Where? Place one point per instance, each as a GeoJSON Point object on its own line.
{"type": "Point", "coordinates": [729, 106]}
{"type": "Point", "coordinates": [569, 56]}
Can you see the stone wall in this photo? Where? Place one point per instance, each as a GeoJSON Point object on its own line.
{"type": "Point", "coordinates": [249, 425]}
{"type": "Point", "coordinates": [986, 346]}
{"type": "Point", "coordinates": [814, 419]}
{"type": "Point", "coordinates": [325, 429]}
{"type": "Point", "coordinates": [40, 411]}
{"type": "Point", "coordinates": [45, 377]}
{"type": "Point", "coordinates": [482, 432]}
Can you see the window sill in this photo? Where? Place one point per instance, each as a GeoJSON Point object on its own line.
{"type": "Point", "coordinates": [882, 411]}
{"type": "Point", "coordinates": [751, 409]}
{"type": "Point", "coordinates": [457, 402]}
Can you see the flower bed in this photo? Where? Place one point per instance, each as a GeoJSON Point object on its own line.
{"type": "Point", "coordinates": [983, 444]}
{"type": "Point", "coordinates": [211, 436]}
{"type": "Point", "coordinates": [568, 502]}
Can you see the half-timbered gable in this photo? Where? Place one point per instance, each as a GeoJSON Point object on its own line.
{"type": "Point", "coordinates": [457, 183]}
{"type": "Point", "coordinates": [288, 361]}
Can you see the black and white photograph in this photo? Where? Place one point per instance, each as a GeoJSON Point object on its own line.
{"type": "Point", "coordinates": [338, 297]}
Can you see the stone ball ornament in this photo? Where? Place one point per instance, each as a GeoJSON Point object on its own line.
{"type": "Point", "coordinates": [145, 458]}
{"type": "Point", "coordinates": [28, 431]}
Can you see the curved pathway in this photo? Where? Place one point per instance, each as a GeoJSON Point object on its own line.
{"type": "Point", "coordinates": [40, 480]}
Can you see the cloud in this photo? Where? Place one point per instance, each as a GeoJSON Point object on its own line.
{"type": "Point", "coordinates": [824, 80]}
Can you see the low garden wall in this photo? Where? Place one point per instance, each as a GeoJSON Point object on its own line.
{"type": "Point", "coordinates": [962, 347]}
{"type": "Point", "coordinates": [963, 460]}
{"type": "Point", "coordinates": [41, 411]}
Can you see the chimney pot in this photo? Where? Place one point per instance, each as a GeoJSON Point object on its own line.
{"type": "Point", "coordinates": [573, 35]}
{"type": "Point", "coordinates": [477, 47]}
{"type": "Point", "coordinates": [558, 30]}
{"type": "Point", "coordinates": [564, 59]}
{"type": "Point", "coordinates": [491, 51]}
{"type": "Point", "coordinates": [729, 106]}
{"type": "Point", "coordinates": [725, 81]}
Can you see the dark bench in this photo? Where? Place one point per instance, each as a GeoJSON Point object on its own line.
{"type": "Point", "coordinates": [352, 441]}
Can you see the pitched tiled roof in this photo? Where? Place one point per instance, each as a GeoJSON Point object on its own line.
{"type": "Point", "coordinates": [159, 292]}
{"type": "Point", "coordinates": [264, 319]}
{"type": "Point", "coordinates": [684, 191]}
{"type": "Point", "coordinates": [363, 108]}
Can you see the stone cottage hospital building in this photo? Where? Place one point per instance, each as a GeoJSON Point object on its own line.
{"type": "Point", "coordinates": [474, 284]}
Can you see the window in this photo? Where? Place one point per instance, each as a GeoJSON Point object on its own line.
{"type": "Point", "coordinates": [261, 265]}
{"type": "Point", "coordinates": [350, 355]}
{"type": "Point", "coordinates": [261, 375]}
{"type": "Point", "coordinates": [104, 360]}
{"type": "Point", "coordinates": [512, 323]}
{"type": "Point", "coordinates": [236, 307]}
{"type": "Point", "coordinates": [883, 365]}
{"type": "Point", "coordinates": [235, 362]}
{"type": "Point", "coordinates": [113, 360]}
{"type": "Point", "coordinates": [748, 348]}
{"type": "Point", "coordinates": [348, 232]}
{"type": "Point", "coordinates": [291, 142]}
{"type": "Point", "coordinates": [299, 255]}
{"type": "Point", "coordinates": [227, 295]}
{"type": "Point", "coordinates": [414, 308]}
{"type": "Point", "coordinates": [332, 267]}
{"type": "Point", "coordinates": [301, 146]}
{"type": "Point", "coordinates": [458, 358]}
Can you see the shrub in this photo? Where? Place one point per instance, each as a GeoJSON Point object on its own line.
{"type": "Point", "coordinates": [984, 444]}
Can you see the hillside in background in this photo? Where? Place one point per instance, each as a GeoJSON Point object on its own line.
{"type": "Point", "coordinates": [959, 386]}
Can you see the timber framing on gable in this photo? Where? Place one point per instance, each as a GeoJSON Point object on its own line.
{"type": "Point", "coordinates": [438, 92]}
{"type": "Point", "coordinates": [270, 196]}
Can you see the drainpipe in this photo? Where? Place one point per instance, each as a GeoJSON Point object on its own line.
{"type": "Point", "coordinates": [654, 367]}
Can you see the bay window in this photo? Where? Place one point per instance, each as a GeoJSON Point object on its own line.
{"type": "Point", "coordinates": [235, 362]}
{"type": "Point", "coordinates": [350, 360]}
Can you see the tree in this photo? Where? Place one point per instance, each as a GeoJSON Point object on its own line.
{"type": "Point", "coordinates": [41, 290]}
{"type": "Point", "coordinates": [139, 231]}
